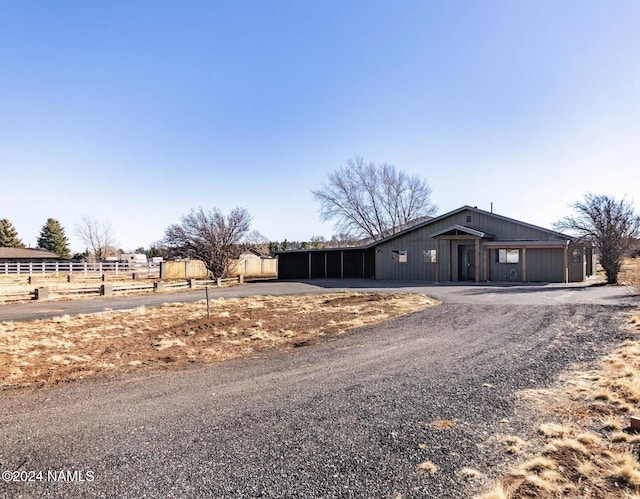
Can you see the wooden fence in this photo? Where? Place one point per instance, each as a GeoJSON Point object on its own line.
{"type": "Point", "coordinates": [255, 267]}
{"type": "Point", "coordinates": [45, 293]}
{"type": "Point", "coordinates": [86, 269]}
{"type": "Point", "coordinates": [187, 269]}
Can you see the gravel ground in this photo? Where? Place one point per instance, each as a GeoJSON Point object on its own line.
{"type": "Point", "coordinates": [343, 418]}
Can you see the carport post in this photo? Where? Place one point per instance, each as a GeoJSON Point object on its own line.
{"type": "Point", "coordinates": [487, 258]}
{"type": "Point", "coordinates": [309, 253]}
{"type": "Point", "coordinates": [449, 273]}
{"type": "Point", "coordinates": [437, 260]}
{"type": "Point", "coordinates": [524, 264]}
{"type": "Point", "coordinates": [566, 263]}
{"type": "Point", "coordinates": [341, 264]}
{"type": "Point", "coordinates": [477, 260]}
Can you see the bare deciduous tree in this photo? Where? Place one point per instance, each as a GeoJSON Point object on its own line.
{"type": "Point", "coordinates": [97, 236]}
{"type": "Point", "coordinates": [369, 200]}
{"type": "Point", "coordinates": [611, 226]}
{"type": "Point", "coordinates": [209, 236]}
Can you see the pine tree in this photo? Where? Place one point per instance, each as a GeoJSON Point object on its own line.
{"type": "Point", "coordinates": [52, 238]}
{"type": "Point", "coordinates": [9, 235]}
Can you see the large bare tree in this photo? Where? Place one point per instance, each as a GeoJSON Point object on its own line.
{"type": "Point", "coordinates": [97, 236]}
{"type": "Point", "coordinates": [209, 236]}
{"type": "Point", "coordinates": [611, 226]}
{"type": "Point", "coordinates": [375, 201]}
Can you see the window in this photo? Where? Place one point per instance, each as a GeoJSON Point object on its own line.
{"type": "Point", "coordinates": [399, 256]}
{"type": "Point", "coordinates": [576, 255]}
{"type": "Point", "coordinates": [468, 218]}
{"type": "Point", "coordinates": [508, 256]}
{"type": "Point", "coordinates": [429, 256]}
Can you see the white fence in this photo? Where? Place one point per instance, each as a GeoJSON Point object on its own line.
{"type": "Point", "coordinates": [57, 268]}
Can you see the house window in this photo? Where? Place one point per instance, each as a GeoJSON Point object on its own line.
{"type": "Point", "coordinates": [508, 256]}
{"type": "Point", "coordinates": [429, 256]}
{"type": "Point", "coordinates": [576, 255]}
{"type": "Point", "coordinates": [399, 256]}
{"type": "Point", "coordinates": [468, 218]}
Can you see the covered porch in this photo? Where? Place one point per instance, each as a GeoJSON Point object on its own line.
{"type": "Point", "coordinates": [467, 254]}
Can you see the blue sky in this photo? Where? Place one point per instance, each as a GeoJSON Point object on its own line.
{"type": "Point", "coordinates": [135, 112]}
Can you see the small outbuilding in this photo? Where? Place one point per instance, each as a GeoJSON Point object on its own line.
{"type": "Point", "coordinates": [464, 245]}
{"type": "Point", "coordinates": [20, 255]}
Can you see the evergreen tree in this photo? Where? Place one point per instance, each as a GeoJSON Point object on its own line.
{"type": "Point", "coordinates": [53, 238]}
{"type": "Point", "coordinates": [9, 235]}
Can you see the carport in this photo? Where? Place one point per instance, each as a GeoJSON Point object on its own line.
{"type": "Point", "coordinates": [327, 263]}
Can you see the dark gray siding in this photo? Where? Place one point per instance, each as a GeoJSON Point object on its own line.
{"type": "Point", "coordinates": [545, 265]}
{"type": "Point", "coordinates": [577, 269]}
{"type": "Point", "coordinates": [414, 269]}
{"type": "Point", "coordinates": [511, 272]}
{"type": "Point", "coordinates": [420, 239]}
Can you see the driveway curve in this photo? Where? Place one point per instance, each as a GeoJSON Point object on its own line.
{"type": "Point", "coordinates": [450, 293]}
{"type": "Point", "coordinates": [349, 417]}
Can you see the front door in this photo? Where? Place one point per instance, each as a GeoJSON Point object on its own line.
{"type": "Point", "coordinates": [467, 262]}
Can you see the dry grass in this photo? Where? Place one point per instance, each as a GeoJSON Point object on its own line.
{"type": "Point", "coordinates": [46, 352]}
{"type": "Point", "coordinates": [513, 444]}
{"type": "Point", "coordinates": [428, 467]}
{"type": "Point", "coordinates": [586, 449]}
{"type": "Point", "coordinates": [469, 474]}
{"type": "Point", "coordinates": [444, 424]}
{"type": "Point", "coordinates": [630, 272]}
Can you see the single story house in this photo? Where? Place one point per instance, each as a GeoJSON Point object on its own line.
{"type": "Point", "coordinates": [25, 255]}
{"type": "Point", "coordinates": [467, 244]}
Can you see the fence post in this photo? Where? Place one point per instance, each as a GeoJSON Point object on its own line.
{"type": "Point", "coordinates": [85, 269]}
{"type": "Point", "coordinates": [6, 269]}
{"type": "Point", "coordinates": [57, 269]}
{"type": "Point", "coordinates": [116, 269]}
{"type": "Point", "coordinates": [30, 268]}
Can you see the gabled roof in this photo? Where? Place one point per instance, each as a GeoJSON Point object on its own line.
{"type": "Point", "coordinates": [26, 253]}
{"type": "Point", "coordinates": [456, 229]}
{"type": "Point", "coordinates": [475, 210]}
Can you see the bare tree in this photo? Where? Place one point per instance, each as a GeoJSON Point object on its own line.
{"type": "Point", "coordinates": [318, 242]}
{"type": "Point", "coordinates": [255, 238]}
{"type": "Point", "coordinates": [611, 226]}
{"type": "Point", "coordinates": [97, 236]}
{"type": "Point", "coordinates": [209, 236]}
{"type": "Point", "coordinates": [256, 241]}
{"type": "Point", "coordinates": [369, 200]}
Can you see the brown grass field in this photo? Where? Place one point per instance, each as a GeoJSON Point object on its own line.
{"type": "Point", "coordinates": [46, 352]}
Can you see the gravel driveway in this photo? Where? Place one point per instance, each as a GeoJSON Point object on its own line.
{"type": "Point", "coordinates": [349, 417]}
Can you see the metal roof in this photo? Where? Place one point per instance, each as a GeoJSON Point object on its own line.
{"type": "Point", "coordinates": [26, 253]}
{"type": "Point", "coordinates": [465, 230]}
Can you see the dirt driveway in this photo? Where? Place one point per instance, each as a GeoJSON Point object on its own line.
{"type": "Point", "coordinates": [491, 294]}
{"type": "Point", "coordinates": [349, 417]}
